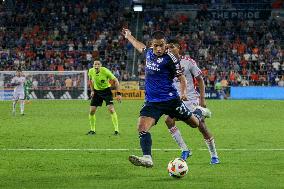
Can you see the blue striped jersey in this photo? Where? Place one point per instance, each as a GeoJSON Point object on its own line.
{"type": "Point", "coordinates": [159, 74]}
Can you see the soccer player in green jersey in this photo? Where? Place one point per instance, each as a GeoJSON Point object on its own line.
{"type": "Point", "coordinates": [100, 78]}
{"type": "Point", "coordinates": [27, 86]}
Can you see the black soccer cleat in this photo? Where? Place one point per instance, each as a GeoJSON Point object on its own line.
{"type": "Point", "coordinates": [91, 133]}
{"type": "Point", "coordinates": [116, 133]}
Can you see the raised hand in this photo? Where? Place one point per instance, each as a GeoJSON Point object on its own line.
{"type": "Point", "coordinates": [126, 32]}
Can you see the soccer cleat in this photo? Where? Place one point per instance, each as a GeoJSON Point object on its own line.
{"type": "Point", "coordinates": [91, 133]}
{"type": "Point", "coordinates": [206, 113]}
{"type": "Point", "coordinates": [116, 133]}
{"type": "Point", "coordinates": [214, 160]}
{"type": "Point", "coordinates": [141, 161]}
{"type": "Point", "coordinates": [185, 154]}
{"type": "Point", "coordinates": [13, 113]}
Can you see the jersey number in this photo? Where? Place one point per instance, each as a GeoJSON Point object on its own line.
{"type": "Point", "coordinates": [182, 109]}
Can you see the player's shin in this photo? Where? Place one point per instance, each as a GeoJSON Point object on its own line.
{"type": "Point", "coordinates": [145, 143]}
{"type": "Point", "coordinates": [114, 121]}
{"type": "Point", "coordinates": [211, 147]}
{"type": "Point", "coordinates": [14, 107]}
{"type": "Point", "coordinates": [192, 121]}
{"type": "Point", "coordinates": [22, 106]}
{"type": "Point", "coordinates": [92, 120]}
{"type": "Point", "coordinates": [178, 138]}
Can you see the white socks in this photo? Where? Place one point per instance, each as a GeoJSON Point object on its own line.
{"type": "Point", "coordinates": [178, 138]}
{"type": "Point", "coordinates": [14, 107]}
{"type": "Point", "coordinates": [211, 147]}
{"type": "Point", "coordinates": [22, 106]}
{"type": "Point", "coordinates": [148, 157]}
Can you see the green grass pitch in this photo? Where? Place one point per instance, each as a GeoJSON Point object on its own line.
{"type": "Point", "coordinates": [48, 148]}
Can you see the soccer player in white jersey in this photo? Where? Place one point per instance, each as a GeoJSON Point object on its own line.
{"type": "Point", "coordinates": [19, 92]}
{"type": "Point", "coordinates": [193, 74]}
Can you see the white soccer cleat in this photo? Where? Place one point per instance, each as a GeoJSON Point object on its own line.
{"type": "Point", "coordinates": [206, 113]}
{"type": "Point", "coordinates": [141, 161]}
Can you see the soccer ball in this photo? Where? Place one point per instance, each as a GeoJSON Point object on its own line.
{"type": "Point", "coordinates": [177, 168]}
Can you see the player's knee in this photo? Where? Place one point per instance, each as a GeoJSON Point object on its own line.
{"type": "Point", "coordinates": [111, 110]}
{"type": "Point", "coordinates": [142, 127]}
{"type": "Point", "coordinates": [169, 122]}
{"type": "Point", "coordinates": [92, 111]}
{"type": "Point", "coordinates": [202, 127]}
{"type": "Point", "coordinates": [192, 123]}
{"type": "Point", "coordinates": [145, 123]}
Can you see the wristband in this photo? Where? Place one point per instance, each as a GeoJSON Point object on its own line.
{"type": "Point", "coordinates": [118, 93]}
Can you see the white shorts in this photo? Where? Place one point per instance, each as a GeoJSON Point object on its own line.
{"type": "Point", "coordinates": [191, 104]}
{"type": "Point", "coordinates": [18, 95]}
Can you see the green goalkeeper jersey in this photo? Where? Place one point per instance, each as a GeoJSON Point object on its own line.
{"type": "Point", "coordinates": [28, 84]}
{"type": "Point", "coordinates": [100, 80]}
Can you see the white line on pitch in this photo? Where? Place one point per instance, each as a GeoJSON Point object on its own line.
{"type": "Point", "coordinates": [125, 149]}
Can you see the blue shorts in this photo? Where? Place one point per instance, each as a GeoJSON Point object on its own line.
{"type": "Point", "coordinates": [174, 108]}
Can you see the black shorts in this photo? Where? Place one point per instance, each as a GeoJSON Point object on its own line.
{"type": "Point", "coordinates": [100, 96]}
{"type": "Point", "coordinates": [174, 108]}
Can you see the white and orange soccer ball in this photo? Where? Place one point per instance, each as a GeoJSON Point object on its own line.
{"type": "Point", "coordinates": [177, 168]}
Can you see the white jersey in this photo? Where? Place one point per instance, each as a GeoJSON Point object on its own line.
{"type": "Point", "coordinates": [19, 81]}
{"type": "Point", "coordinates": [191, 71]}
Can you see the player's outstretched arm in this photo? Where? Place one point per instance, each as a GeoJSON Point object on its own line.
{"type": "Point", "coordinates": [137, 44]}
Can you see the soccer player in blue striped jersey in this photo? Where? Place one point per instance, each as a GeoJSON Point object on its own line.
{"type": "Point", "coordinates": [161, 97]}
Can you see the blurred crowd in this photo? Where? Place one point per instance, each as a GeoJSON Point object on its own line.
{"type": "Point", "coordinates": [63, 35]}
{"type": "Point", "coordinates": [232, 52]}
{"type": "Point", "coordinates": [69, 35]}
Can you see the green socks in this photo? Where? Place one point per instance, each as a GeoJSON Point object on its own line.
{"type": "Point", "coordinates": [114, 121]}
{"type": "Point", "coordinates": [92, 119]}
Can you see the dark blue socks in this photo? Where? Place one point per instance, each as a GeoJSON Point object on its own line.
{"type": "Point", "coordinates": [145, 142]}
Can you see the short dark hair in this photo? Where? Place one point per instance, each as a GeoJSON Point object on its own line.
{"type": "Point", "coordinates": [158, 35]}
{"type": "Point", "coordinates": [173, 41]}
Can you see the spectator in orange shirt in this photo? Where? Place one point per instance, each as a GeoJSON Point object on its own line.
{"type": "Point", "coordinates": [232, 76]}
{"type": "Point", "coordinates": [241, 48]}
{"type": "Point", "coordinates": [254, 77]}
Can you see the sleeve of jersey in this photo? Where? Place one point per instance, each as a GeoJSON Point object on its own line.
{"type": "Point", "coordinates": [194, 68]}
{"type": "Point", "coordinates": [176, 65]}
{"type": "Point", "coordinates": [144, 51]}
{"type": "Point", "coordinates": [109, 74]}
